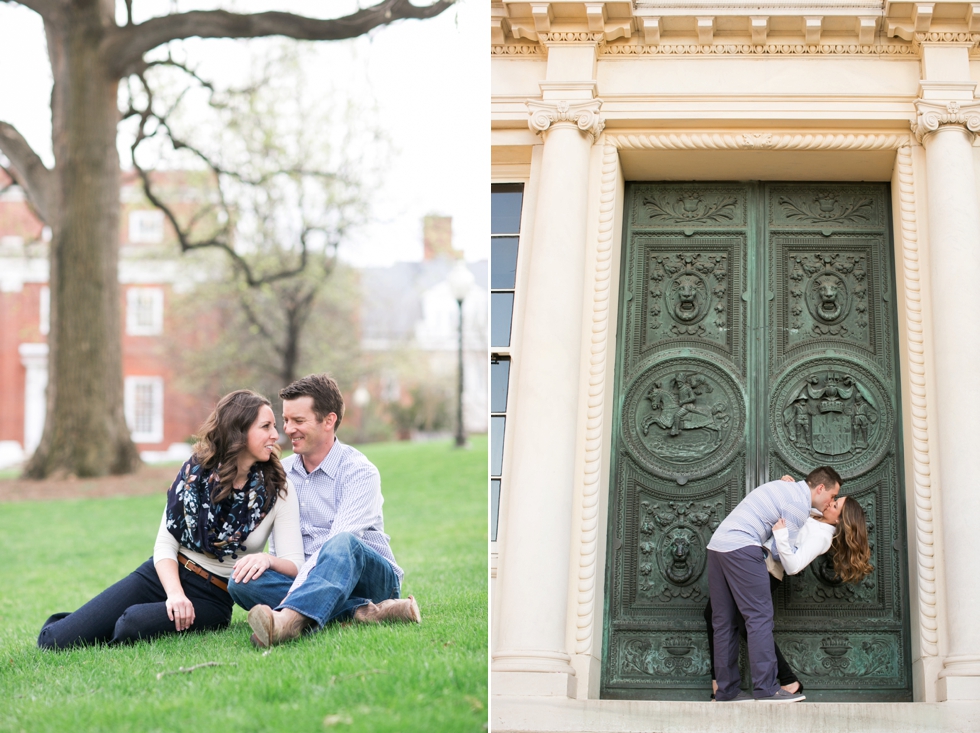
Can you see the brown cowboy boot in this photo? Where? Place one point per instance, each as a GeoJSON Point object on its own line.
{"type": "Point", "coordinates": [275, 627]}
{"type": "Point", "coordinates": [394, 609]}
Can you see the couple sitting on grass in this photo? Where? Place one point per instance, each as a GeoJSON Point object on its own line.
{"type": "Point", "coordinates": [321, 509]}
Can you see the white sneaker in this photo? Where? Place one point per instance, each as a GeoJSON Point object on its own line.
{"type": "Point", "coordinates": [783, 696]}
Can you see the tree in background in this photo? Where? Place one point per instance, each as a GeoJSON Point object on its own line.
{"type": "Point", "coordinates": [85, 432]}
{"type": "Point", "coordinates": [281, 180]}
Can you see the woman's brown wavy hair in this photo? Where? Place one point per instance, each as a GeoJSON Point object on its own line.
{"type": "Point", "coordinates": [850, 550]}
{"type": "Point", "coordinates": [224, 436]}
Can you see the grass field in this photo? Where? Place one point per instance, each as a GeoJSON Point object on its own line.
{"type": "Point", "coordinates": [431, 677]}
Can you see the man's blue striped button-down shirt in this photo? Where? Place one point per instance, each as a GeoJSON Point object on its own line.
{"type": "Point", "coordinates": [750, 523]}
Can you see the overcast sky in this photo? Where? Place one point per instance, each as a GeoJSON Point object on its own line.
{"type": "Point", "coordinates": [429, 80]}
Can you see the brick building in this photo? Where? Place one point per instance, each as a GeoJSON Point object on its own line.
{"type": "Point", "coordinates": [161, 418]}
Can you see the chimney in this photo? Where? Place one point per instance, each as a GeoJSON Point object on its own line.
{"type": "Point", "coordinates": [437, 236]}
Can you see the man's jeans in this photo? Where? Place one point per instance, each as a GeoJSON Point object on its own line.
{"type": "Point", "coordinates": [348, 574]}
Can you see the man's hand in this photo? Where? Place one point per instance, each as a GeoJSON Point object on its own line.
{"type": "Point", "coordinates": [788, 479]}
{"type": "Point", "coordinates": [251, 567]}
{"type": "Point", "coordinates": [181, 611]}
{"type": "Point", "coordinates": [781, 524]}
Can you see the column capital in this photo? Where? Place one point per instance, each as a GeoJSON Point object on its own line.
{"type": "Point", "coordinates": [931, 115]}
{"type": "Point", "coordinates": [585, 115]}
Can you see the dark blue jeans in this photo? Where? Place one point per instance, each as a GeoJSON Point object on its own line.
{"type": "Point", "coordinates": [348, 574]}
{"type": "Point", "coordinates": [135, 608]}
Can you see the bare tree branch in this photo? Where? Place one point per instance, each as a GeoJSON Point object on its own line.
{"type": "Point", "coordinates": [125, 46]}
{"type": "Point", "coordinates": [45, 8]}
{"type": "Point", "coordinates": [31, 173]}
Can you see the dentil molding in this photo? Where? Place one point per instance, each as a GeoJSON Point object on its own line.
{"type": "Point", "coordinates": [584, 114]}
{"type": "Point", "coordinates": [932, 115]}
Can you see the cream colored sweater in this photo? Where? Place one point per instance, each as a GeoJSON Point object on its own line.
{"type": "Point", "coordinates": [282, 523]}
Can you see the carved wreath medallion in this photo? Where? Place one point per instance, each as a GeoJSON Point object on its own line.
{"type": "Point", "coordinates": [831, 412]}
{"type": "Point", "coordinates": [683, 417]}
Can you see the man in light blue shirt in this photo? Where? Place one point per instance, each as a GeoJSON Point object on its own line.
{"type": "Point", "coordinates": [738, 580]}
{"type": "Point", "coordinates": [350, 571]}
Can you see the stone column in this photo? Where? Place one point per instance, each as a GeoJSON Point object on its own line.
{"type": "Point", "coordinates": [946, 128]}
{"type": "Point", "coordinates": [533, 575]}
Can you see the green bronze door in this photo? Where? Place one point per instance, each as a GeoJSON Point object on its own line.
{"type": "Point", "coordinates": [757, 338]}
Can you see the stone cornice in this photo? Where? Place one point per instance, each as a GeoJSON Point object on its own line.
{"type": "Point", "coordinates": [584, 115]}
{"type": "Point", "coordinates": [769, 28]}
{"type": "Point", "coordinates": [932, 115]}
{"type": "Point", "coordinates": [770, 49]}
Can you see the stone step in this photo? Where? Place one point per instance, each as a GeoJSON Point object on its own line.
{"type": "Point", "coordinates": [562, 715]}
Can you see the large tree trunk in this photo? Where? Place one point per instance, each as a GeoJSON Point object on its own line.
{"type": "Point", "coordinates": [85, 432]}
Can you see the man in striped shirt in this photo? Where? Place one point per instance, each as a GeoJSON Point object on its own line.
{"type": "Point", "coordinates": [739, 582]}
{"type": "Point", "coordinates": [350, 571]}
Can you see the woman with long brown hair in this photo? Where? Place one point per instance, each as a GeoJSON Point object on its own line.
{"type": "Point", "coordinates": [228, 499]}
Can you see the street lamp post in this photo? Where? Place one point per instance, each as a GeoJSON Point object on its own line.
{"type": "Point", "coordinates": [460, 282]}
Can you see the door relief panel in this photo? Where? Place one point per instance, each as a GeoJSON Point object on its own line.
{"type": "Point", "coordinates": [683, 418]}
{"type": "Point", "coordinates": [757, 339]}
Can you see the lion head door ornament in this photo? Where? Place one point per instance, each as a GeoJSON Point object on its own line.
{"type": "Point", "coordinates": [687, 297]}
{"type": "Point", "coordinates": [827, 297]}
{"type": "Point", "coordinates": [831, 415]}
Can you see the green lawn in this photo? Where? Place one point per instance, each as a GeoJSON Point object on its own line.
{"type": "Point", "coordinates": [431, 677]}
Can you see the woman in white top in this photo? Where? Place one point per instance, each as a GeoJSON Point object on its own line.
{"type": "Point", "coordinates": [843, 531]}
{"type": "Point", "coordinates": [227, 499]}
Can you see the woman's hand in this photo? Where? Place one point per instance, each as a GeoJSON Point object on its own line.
{"type": "Point", "coordinates": [251, 567]}
{"type": "Point", "coordinates": [181, 611]}
{"type": "Point", "coordinates": [781, 524]}
{"type": "Point", "coordinates": [788, 479]}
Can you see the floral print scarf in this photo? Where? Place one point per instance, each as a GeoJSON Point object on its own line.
{"type": "Point", "coordinates": [217, 530]}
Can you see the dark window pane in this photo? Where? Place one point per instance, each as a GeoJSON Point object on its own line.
{"type": "Point", "coordinates": [499, 372]}
{"type": "Point", "coordinates": [501, 312]}
{"type": "Point", "coordinates": [496, 444]}
{"type": "Point", "coordinates": [505, 211]}
{"type": "Point", "coordinates": [494, 507]}
{"type": "Point", "coordinates": [503, 262]}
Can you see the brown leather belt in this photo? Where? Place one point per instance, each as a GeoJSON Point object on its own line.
{"type": "Point", "coordinates": [198, 570]}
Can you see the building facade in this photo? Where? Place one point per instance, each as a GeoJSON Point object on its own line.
{"type": "Point", "coordinates": [729, 242]}
{"type": "Point", "coordinates": [161, 417]}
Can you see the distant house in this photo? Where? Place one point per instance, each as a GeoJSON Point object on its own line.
{"type": "Point", "coordinates": [161, 418]}
{"type": "Point", "coordinates": [409, 305]}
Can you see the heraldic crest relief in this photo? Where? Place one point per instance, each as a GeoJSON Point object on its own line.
{"type": "Point", "coordinates": [683, 414]}
{"type": "Point", "coordinates": [836, 414]}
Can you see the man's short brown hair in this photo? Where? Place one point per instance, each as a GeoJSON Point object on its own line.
{"type": "Point", "coordinates": [823, 475]}
{"type": "Point", "coordinates": [324, 391]}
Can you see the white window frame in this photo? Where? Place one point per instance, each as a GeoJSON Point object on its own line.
{"type": "Point", "coordinates": [132, 387]}
{"type": "Point", "coordinates": [146, 226]}
{"type": "Point", "coordinates": [44, 325]}
{"type": "Point", "coordinates": [141, 301]}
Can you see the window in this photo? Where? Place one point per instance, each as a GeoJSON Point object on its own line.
{"type": "Point", "coordinates": [505, 226]}
{"type": "Point", "coordinates": [505, 229]}
{"type": "Point", "coordinates": [144, 311]}
{"type": "Point", "coordinates": [144, 408]}
{"type": "Point", "coordinates": [499, 379]}
{"type": "Point", "coordinates": [146, 227]}
{"type": "Point", "coordinates": [45, 306]}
